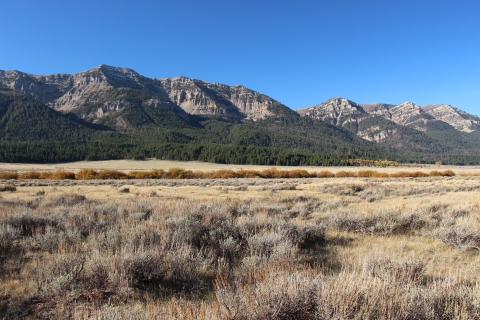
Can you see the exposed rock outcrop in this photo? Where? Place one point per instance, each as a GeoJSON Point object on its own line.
{"type": "Point", "coordinates": [458, 119]}
{"type": "Point", "coordinates": [336, 111]}
{"type": "Point", "coordinates": [406, 113]}
{"type": "Point", "coordinates": [94, 93]}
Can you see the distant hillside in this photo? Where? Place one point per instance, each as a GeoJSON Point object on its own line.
{"type": "Point", "coordinates": [25, 119]}
{"type": "Point", "coordinates": [405, 128]}
{"type": "Point", "coordinates": [93, 94]}
{"type": "Point", "coordinates": [31, 131]}
{"type": "Point", "coordinates": [113, 112]}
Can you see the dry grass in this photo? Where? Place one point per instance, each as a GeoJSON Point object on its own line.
{"type": "Point", "coordinates": [249, 248]}
{"type": "Point", "coordinates": [147, 165]}
{"type": "Point", "coordinates": [180, 173]}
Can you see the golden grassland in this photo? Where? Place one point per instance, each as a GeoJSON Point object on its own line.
{"type": "Point", "coordinates": [181, 173]}
{"type": "Point", "coordinates": [347, 247]}
{"type": "Point", "coordinates": [136, 165]}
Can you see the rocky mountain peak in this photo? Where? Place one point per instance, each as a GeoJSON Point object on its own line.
{"type": "Point", "coordinates": [43, 88]}
{"type": "Point", "coordinates": [408, 106]}
{"type": "Point", "coordinates": [405, 113]}
{"type": "Point", "coordinates": [458, 119]}
{"type": "Point", "coordinates": [201, 97]}
{"type": "Point", "coordinates": [97, 85]}
{"type": "Point", "coordinates": [333, 109]}
{"type": "Point", "coordinates": [376, 107]}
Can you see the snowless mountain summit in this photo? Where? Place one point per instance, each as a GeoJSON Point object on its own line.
{"type": "Point", "coordinates": [91, 93]}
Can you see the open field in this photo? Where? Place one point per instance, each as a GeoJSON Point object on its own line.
{"type": "Point", "coordinates": [130, 165]}
{"type": "Point", "coordinates": [342, 248]}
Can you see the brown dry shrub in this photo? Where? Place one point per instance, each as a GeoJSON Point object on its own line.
{"type": "Point", "coordinates": [8, 175]}
{"type": "Point", "coordinates": [271, 173]}
{"type": "Point", "coordinates": [221, 174]}
{"type": "Point", "coordinates": [380, 175]}
{"type": "Point", "coordinates": [448, 173]}
{"type": "Point", "coordinates": [157, 173]}
{"type": "Point", "coordinates": [365, 173]}
{"type": "Point", "coordinates": [86, 174]}
{"type": "Point", "coordinates": [435, 173]}
{"type": "Point", "coordinates": [189, 174]}
{"type": "Point", "coordinates": [46, 175]}
{"type": "Point", "coordinates": [407, 174]}
{"type": "Point", "coordinates": [62, 175]}
{"type": "Point", "coordinates": [174, 173]}
{"type": "Point", "coordinates": [400, 174]}
{"type": "Point", "coordinates": [298, 173]}
{"type": "Point", "coordinates": [198, 174]}
{"type": "Point", "coordinates": [153, 174]}
{"type": "Point", "coordinates": [248, 174]}
{"type": "Point", "coordinates": [29, 175]}
{"type": "Point", "coordinates": [140, 174]}
{"type": "Point", "coordinates": [419, 174]}
{"type": "Point", "coordinates": [325, 174]}
{"type": "Point", "coordinates": [345, 174]}
{"type": "Point", "coordinates": [111, 174]}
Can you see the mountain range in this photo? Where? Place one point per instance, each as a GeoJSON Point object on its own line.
{"type": "Point", "coordinates": [112, 105]}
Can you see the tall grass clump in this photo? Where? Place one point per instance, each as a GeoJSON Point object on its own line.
{"type": "Point", "coordinates": [325, 174]}
{"type": "Point", "coordinates": [9, 175]}
{"type": "Point", "coordinates": [345, 174]}
{"type": "Point", "coordinates": [180, 173]}
{"type": "Point", "coordinates": [86, 174]}
{"type": "Point", "coordinates": [29, 175]}
{"type": "Point", "coordinates": [407, 174]}
{"type": "Point", "coordinates": [58, 175]}
{"type": "Point", "coordinates": [446, 173]}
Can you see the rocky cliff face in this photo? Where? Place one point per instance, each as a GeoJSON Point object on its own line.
{"type": "Point", "coordinates": [406, 113]}
{"type": "Point", "coordinates": [458, 119]}
{"type": "Point", "coordinates": [103, 92]}
{"type": "Point", "coordinates": [392, 124]}
{"type": "Point", "coordinates": [336, 111]}
{"type": "Point", "coordinates": [376, 134]}
{"type": "Point", "coordinates": [200, 97]}
{"type": "Point", "coordinates": [95, 93]}
{"type": "Point", "coordinates": [411, 114]}
{"type": "Point", "coordinates": [42, 88]}
{"type": "Point", "coordinates": [377, 107]}
{"type": "Point", "coordinates": [351, 116]}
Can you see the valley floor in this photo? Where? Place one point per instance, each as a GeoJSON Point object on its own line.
{"type": "Point", "coordinates": [129, 165]}
{"type": "Point", "coordinates": [338, 248]}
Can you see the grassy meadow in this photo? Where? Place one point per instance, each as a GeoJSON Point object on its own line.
{"type": "Point", "coordinates": [338, 247]}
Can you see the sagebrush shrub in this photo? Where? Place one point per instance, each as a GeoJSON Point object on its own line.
{"type": "Point", "coordinates": [459, 235]}
{"type": "Point", "coordinates": [29, 224]}
{"type": "Point", "coordinates": [9, 187]}
{"type": "Point", "coordinates": [279, 295]}
{"type": "Point", "coordinates": [8, 238]}
{"type": "Point", "coordinates": [394, 269]}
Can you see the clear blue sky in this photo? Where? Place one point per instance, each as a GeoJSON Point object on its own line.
{"type": "Point", "coordinates": [298, 52]}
